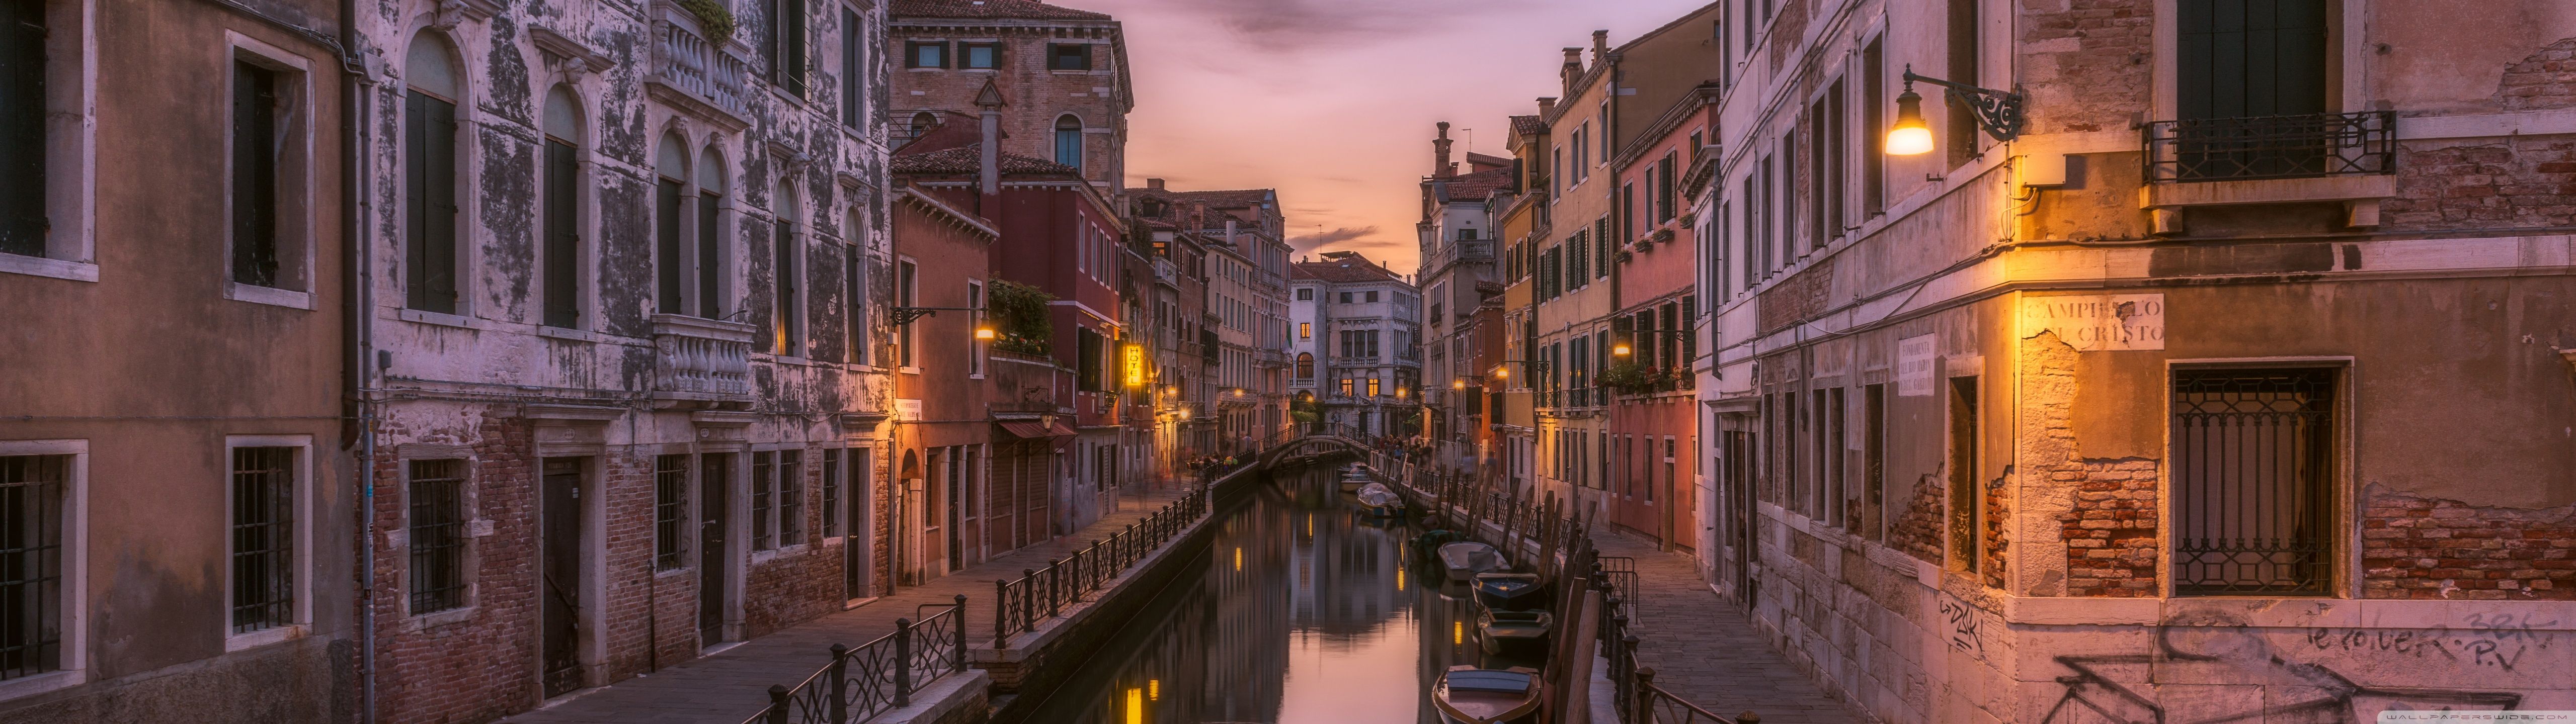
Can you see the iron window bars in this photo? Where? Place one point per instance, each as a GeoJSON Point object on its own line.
{"type": "Point", "coordinates": [31, 564]}
{"type": "Point", "coordinates": [670, 506]}
{"type": "Point", "coordinates": [437, 497]}
{"type": "Point", "coordinates": [2272, 147]}
{"type": "Point", "coordinates": [2253, 451]}
{"type": "Point", "coordinates": [263, 538]}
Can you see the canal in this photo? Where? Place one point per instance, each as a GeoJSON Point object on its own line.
{"type": "Point", "coordinates": [1300, 612]}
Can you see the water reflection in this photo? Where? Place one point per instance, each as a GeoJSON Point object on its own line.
{"type": "Point", "coordinates": [1300, 613]}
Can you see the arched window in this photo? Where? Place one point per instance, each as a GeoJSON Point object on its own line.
{"type": "Point", "coordinates": [1305, 365]}
{"type": "Point", "coordinates": [1068, 140]}
{"type": "Point", "coordinates": [671, 264]}
{"type": "Point", "coordinates": [562, 195]}
{"type": "Point", "coordinates": [710, 232]}
{"type": "Point", "coordinates": [921, 124]}
{"type": "Point", "coordinates": [433, 91]}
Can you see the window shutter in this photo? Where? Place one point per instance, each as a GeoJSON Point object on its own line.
{"type": "Point", "coordinates": [22, 120]}
{"type": "Point", "coordinates": [563, 306]}
{"type": "Point", "coordinates": [666, 244]}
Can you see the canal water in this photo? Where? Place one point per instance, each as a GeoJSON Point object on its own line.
{"type": "Point", "coordinates": [1301, 612]}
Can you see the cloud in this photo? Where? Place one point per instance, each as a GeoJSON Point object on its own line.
{"type": "Point", "coordinates": [1285, 26]}
{"type": "Point", "coordinates": [1341, 236]}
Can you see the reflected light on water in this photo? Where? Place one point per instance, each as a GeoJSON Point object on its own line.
{"type": "Point", "coordinates": [1457, 633]}
{"type": "Point", "coordinates": [1154, 689]}
{"type": "Point", "coordinates": [1135, 706]}
{"type": "Point", "coordinates": [1238, 557]}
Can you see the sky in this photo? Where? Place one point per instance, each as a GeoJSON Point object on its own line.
{"type": "Point", "coordinates": [1332, 102]}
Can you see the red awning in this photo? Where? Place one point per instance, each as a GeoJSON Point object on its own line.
{"type": "Point", "coordinates": [1035, 429]}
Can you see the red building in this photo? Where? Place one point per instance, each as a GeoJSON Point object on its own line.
{"type": "Point", "coordinates": [1652, 432]}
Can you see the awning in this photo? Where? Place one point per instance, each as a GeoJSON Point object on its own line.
{"type": "Point", "coordinates": [1035, 429]}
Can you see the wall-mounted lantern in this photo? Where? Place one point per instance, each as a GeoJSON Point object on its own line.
{"type": "Point", "coordinates": [1998, 112]}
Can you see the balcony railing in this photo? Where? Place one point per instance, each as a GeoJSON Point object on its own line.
{"type": "Point", "coordinates": [684, 61]}
{"type": "Point", "coordinates": [2272, 147]}
{"type": "Point", "coordinates": [1165, 272]}
{"type": "Point", "coordinates": [701, 359]}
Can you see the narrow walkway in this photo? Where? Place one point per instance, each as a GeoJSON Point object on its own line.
{"type": "Point", "coordinates": [733, 684]}
{"type": "Point", "coordinates": [1702, 648]}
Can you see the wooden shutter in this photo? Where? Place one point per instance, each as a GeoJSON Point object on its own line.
{"type": "Point", "coordinates": [22, 124]}
{"type": "Point", "coordinates": [429, 171]}
{"type": "Point", "coordinates": [710, 256]}
{"type": "Point", "coordinates": [563, 240]}
{"type": "Point", "coordinates": [2262, 58]}
{"type": "Point", "coordinates": [668, 257]}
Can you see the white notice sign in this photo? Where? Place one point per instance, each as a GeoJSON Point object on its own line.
{"type": "Point", "coordinates": [907, 411]}
{"type": "Point", "coordinates": [1914, 367]}
{"type": "Point", "coordinates": [2095, 323]}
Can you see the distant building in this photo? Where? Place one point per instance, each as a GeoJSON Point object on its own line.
{"type": "Point", "coordinates": [1246, 309]}
{"type": "Point", "coordinates": [1458, 271]}
{"type": "Point", "coordinates": [1367, 331]}
{"type": "Point", "coordinates": [1652, 483]}
{"type": "Point", "coordinates": [1062, 72]}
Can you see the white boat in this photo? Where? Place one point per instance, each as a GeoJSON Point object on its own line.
{"type": "Point", "coordinates": [1465, 559]}
{"type": "Point", "coordinates": [1377, 500]}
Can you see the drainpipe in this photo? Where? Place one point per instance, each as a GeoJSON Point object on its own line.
{"type": "Point", "coordinates": [359, 294]}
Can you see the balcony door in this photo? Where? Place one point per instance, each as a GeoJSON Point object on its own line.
{"type": "Point", "coordinates": [2240, 58]}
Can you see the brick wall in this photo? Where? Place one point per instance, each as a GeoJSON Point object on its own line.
{"type": "Point", "coordinates": [2417, 547]}
{"type": "Point", "coordinates": [2085, 62]}
{"type": "Point", "coordinates": [1036, 96]}
{"type": "Point", "coordinates": [2545, 80]}
{"type": "Point", "coordinates": [1917, 530]}
{"type": "Point", "coordinates": [2521, 180]}
{"type": "Point", "coordinates": [2111, 547]}
{"type": "Point", "coordinates": [482, 665]}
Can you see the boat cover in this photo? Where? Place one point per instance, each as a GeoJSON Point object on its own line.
{"type": "Point", "coordinates": [1377, 494]}
{"type": "Point", "coordinates": [1508, 682]}
{"type": "Point", "coordinates": [1470, 555]}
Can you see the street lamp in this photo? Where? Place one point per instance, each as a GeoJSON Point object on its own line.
{"type": "Point", "coordinates": [1998, 112]}
{"type": "Point", "coordinates": [1458, 384]}
{"type": "Point", "coordinates": [1621, 347]}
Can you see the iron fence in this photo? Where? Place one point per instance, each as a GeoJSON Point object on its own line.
{"type": "Point", "coordinates": [1043, 593]}
{"type": "Point", "coordinates": [1636, 697]}
{"type": "Point", "coordinates": [877, 676]}
{"type": "Point", "coordinates": [2272, 147]}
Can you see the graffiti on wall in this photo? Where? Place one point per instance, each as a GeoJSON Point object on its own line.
{"type": "Point", "coordinates": [1966, 626]}
{"type": "Point", "coordinates": [2213, 667]}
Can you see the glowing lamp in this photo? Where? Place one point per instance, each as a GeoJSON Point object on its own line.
{"type": "Point", "coordinates": [1620, 349]}
{"type": "Point", "coordinates": [1458, 384]}
{"type": "Point", "coordinates": [1502, 372]}
{"type": "Point", "coordinates": [984, 334]}
{"type": "Point", "coordinates": [1910, 136]}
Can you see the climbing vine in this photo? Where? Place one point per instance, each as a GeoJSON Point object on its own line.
{"type": "Point", "coordinates": [1020, 323]}
{"type": "Point", "coordinates": [713, 16]}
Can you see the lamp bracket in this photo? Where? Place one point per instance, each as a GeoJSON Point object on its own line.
{"type": "Point", "coordinates": [907, 314]}
{"type": "Point", "coordinates": [1998, 112]}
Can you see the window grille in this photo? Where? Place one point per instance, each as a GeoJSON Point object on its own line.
{"type": "Point", "coordinates": [791, 497]}
{"type": "Point", "coordinates": [437, 536]}
{"type": "Point", "coordinates": [263, 538]}
{"type": "Point", "coordinates": [831, 493]}
{"type": "Point", "coordinates": [2252, 453]}
{"type": "Point", "coordinates": [762, 478]}
{"type": "Point", "coordinates": [670, 504]}
{"type": "Point", "coordinates": [31, 563]}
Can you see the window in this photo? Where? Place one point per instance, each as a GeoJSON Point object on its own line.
{"type": "Point", "coordinates": [33, 596]}
{"type": "Point", "coordinates": [854, 69]}
{"type": "Point", "coordinates": [906, 289]}
{"type": "Point", "coordinates": [47, 123]}
{"type": "Point", "coordinates": [1305, 330]}
{"type": "Point", "coordinates": [1660, 177]}
{"type": "Point", "coordinates": [1628, 227]}
{"type": "Point", "coordinates": [1372, 296]}
{"type": "Point", "coordinates": [1873, 459]}
{"type": "Point", "coordinates": [979, 55]}
{"type": "Point", "coordinates": [670, 511]}
{"type": "Point", "coordinates": [264, 522]}
{"type": "Point", "coordinates": [268, 160]}
{"type": "Point", "coordinates": [1837, 492]}
{"type": "Point", "coordinates": [1345, 298]}
{"type": "Point", "coordinates": [1372, 386]}
{"type": "Point", "coordinates": [764, 500]}
{"type": "Point", "coordinates": [1068, 56]}
{"type": "Point", "coordinates": [671, 173]}
{"type": "Point", "coordinates": [1967, 498]}
{"type": "Point", "coordinates": [1346, 386]}
{"type": "Point", "coordinates": [925, 54]}
{"type": "Point", "coordinates": [436, 494]}
{"type": "Point", "coordinates": [2254, 451]}
{"type": "Point", "coordinates": [431, 271]}
{"type": "Point", "coordinates": [23, 137]}
{"type": "Point", "coordinates": [1305, 365]}
{"type": "Point", "coordinates": [787, 307]}
{"type": "Point", "coordinates": [1306, 295]}
{"type": "Point", "coordinates": [1068, 140]}
{"type": "Point", "coordinates": [1602, 244]}
{"type": "Point", "coordinates": [833, 484]}
{"type": "Point", "coordinates": [1873, 91]}
{"type": "Point", "coordinates": [855, 274]}
{"type": "Point", "coordinates": [562, 260]}
{"type": "Point", "coordinates": [711, 241]}
{"type": "Point", "coordinates": [786, 50]}
{"type": "Point", "coordinates": [791, 497]}
{"type": "Point", "coordinates": [1964, 41]}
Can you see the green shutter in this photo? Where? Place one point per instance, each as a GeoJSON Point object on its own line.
{"type": "Point", "coordinates": [668, 261]}
{"type": "Point", "coordinates": [563, 240]}
{"type": "Point", "coordinates": [710, 256]}
{"type": "Point", "coordinates": [22, 128]}
{"type": "Point", "coordinates": [2241, 58]}
{"type": "Point", "coordinates": [429, 207]}
{"type": "Point", "coordinates": [254, 191]}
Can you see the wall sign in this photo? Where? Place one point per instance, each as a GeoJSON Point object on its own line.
{"type": "Point", "coordinates": [907, 411]}
{"type": "Point", "coordinates": [2097, 323]}
{"type": "Point", "coordinates": [1135, 365]}
{"type": "Point", "coordinates": [1914, 367]}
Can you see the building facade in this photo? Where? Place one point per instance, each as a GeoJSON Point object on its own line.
{"type": "Point", "coordinates": [2104, 411]}
{"type": "Point", "coordinates": [1458, 273]}
{"type": "Point", "coordinates": [177, 465]}
{"type": "Point", "coordinates": [1367, 331]}
{"type": "Point", "coordinates": [623, 339]}
{"type": "Point", "coordinates": [1062, 73]}
{"type": "Point", "coordinates": [1653, 485]}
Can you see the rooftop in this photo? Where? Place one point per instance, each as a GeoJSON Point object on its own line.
{"type": "Point", "coordinates": [987, 10]}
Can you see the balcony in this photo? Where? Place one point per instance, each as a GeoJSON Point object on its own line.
{"type": "Point", "coordinates": [1165, 272]}
{"type": "Point", "coordinates": [2325, 157]}
{"type": "Point", "coordinates": [701, 362]}
{"type": "Point", "coordinates": [689, 72]}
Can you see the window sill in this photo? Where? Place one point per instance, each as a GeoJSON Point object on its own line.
{"type": "Point", "coordinates": [271, 296]}
{"type": "Point", "coordinates": [568, 333]}
{"type": "Point", "coordinates": [439, 619]}
{"type": "Point", "coordinates": [439, 318]}
{"type": "Point", "coordinates": [41, 683]}
{"type": "Point", "coordinates": [674, 572]}
{"type": "Point", "coordinates": [909, 371]}
{"type": "Point", "coordinates": [256, 639]}
{"type": "Point", "coordinates": [55, 268]}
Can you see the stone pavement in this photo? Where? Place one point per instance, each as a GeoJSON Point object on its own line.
{"type": "Point", "coordinates": [733, 684]}
{"type": "Point", "coordinates": [1703, 649]}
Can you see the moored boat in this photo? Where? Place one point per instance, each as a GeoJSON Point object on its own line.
{"type": "Point", "coordinates": [1378, 501]}
{"type": "Point", "coordinates": [1470, 695]}
{"type": "Point", "coordinates": [1506, 591]}
{"type": "Point", "coordinates": [1514, 633]}
{"type": "Point", "coordinates": [1464, 559]}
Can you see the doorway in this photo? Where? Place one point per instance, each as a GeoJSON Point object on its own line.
{"type": "Point", "coordinates": [854, 519]}
{"type": "Point", "coordinates": [954, 460]}
{"type": "Point", "coordinates": [908, 512]}
{"type": "Point", "coordinates": [715, 482]}
{"type": "Point", "coordinates": [559, 617]}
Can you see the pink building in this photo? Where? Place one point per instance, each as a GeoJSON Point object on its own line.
{"type": "Point", "coordinates": [1651, 421]}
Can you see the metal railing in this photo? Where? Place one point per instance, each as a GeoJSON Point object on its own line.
{"type": "Point", "coordinates": [1043, 593]}
{"type": "Point", "coordinates": [2272, 147]}
{"type": "Point", "coordinates": [877, 676]}
{"type": "Point", "coordinates": [1637, 699]}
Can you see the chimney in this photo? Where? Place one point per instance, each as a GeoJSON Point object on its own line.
{"type": "Point", "coordinates": [990, 101]}
{"type": "Point", "coordinates": [1600, 46]}
{"type": "Point", "coordinates": [1440, 150]}
{"type": "Point", "coordinates": [1155, 184]}
{"type": "Point", "coordinates": [1572, 71]}
{"type": "Point", "coordinates": [1546, 106]}
{"type": "Point", "coordinates": [1229, 230]}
